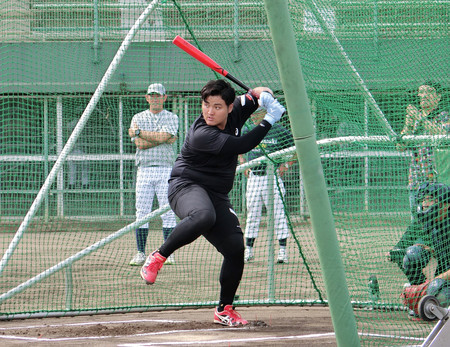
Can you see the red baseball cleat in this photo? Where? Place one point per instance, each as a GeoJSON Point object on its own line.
{"type": "Point", "coordinates": [152, 265]}
{"type": "Point", "coordinates": [229, 317]}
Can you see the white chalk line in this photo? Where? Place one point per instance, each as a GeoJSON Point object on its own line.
{"type": "Point", "coordinates": [94, 323]}
{"type": "Point", "coordinates": [80, 338]}
{"type": "Point", "coordinates": [210, 342]}
{"type": "Point", "coordinates": [309, 336]}
{"type": "Point", "coordinates": [11, 337]}
{"type": "Point", "coordinates": [256, 339]}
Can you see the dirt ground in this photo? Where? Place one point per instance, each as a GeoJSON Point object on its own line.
{"type": "Point", "coordinates": [268, 326]}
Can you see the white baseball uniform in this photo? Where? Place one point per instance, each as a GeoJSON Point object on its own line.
{"type": "Point", "coordinates": [257, 185]}
{"type": "Point", "coordinates": [154, 165]}
{"type": "Point", "coordinates": [256, 194]}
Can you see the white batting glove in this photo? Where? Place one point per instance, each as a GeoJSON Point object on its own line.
{"type": "Point", "coordinates": [265, 99]}
{"type": "Point", "coordinates": [274, 112]}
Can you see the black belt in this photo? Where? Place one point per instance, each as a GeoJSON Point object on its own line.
{"type": "Point", "coordinates": [259, 172]}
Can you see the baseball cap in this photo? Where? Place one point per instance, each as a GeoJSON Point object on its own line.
{"type": "Point", "coordinates": [157, 88]}
{"type": "Point", "coordinates": [439, 191]}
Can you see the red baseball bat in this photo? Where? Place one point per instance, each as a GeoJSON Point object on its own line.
{"type": "Point", "coordinates": [204, 59]}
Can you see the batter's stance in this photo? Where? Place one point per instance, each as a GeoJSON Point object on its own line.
{"type": "Point", "coordinates": [201, 179]}
{"type": "Point", "coordinates": [154, 132]}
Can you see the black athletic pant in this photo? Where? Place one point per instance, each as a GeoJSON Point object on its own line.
{"type": "Point", "coordinates": [211, 215]}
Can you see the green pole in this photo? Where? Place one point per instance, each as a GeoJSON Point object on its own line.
{"type": "Point", "coordinates": [309, 159]}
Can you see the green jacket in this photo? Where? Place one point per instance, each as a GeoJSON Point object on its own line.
{"type": "Point", "coordinates": [414, 234]}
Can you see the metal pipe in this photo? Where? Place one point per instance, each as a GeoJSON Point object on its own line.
{"type": "Point", "coordinates": [322, 221]}
{"type": "Point", "coordinates": [96, 32]}
{"type": "Point", "coordinates": [270, 172]}
{"type": "Point", "coordinates": [236, 31]}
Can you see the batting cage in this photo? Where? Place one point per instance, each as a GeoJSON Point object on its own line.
{"type": "Point", "coordinates": [75, 73]}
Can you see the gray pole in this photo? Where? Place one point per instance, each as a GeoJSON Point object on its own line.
{"type": "Point", "coordinates": [309, 159]}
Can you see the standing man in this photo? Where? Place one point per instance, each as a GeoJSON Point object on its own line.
{"type": "Point", "coordinates": [430, 118]}
{"type": "Point", "coordinates": [153, 131]}
{"type": "Point", "coordinates": [276, 139]}
{"type": "Point", "coordinates": [201, 179]}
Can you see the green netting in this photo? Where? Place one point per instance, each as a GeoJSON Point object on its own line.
{"type": "Point", "coordinates": [443, 165]}
{"type": "Point", "coordinates": [363, 62]}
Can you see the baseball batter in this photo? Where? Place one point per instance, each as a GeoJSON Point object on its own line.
{"type": "Point", "coordinates": [201, 179]}
{"type": "Point", "coordinates": [153, 131]}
